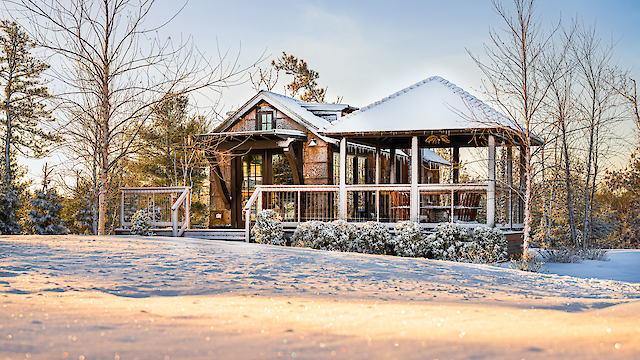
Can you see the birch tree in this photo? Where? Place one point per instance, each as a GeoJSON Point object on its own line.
{"type": "Point", "coordinates": [516, 85]}
{"type": "Point", "coordinates": [115, 69]}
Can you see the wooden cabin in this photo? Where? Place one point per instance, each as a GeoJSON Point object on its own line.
{"type": "Point", "coordinates": [310, 161]}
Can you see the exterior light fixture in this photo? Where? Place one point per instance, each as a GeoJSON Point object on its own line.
{"type": "Point", "coordinates": [312, 142]}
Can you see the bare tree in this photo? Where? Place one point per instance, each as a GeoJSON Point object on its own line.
{"type": "Point", "coordinates": [559, 70]}
{"type": "Point", "coordinates": [115, 69]}
{"type": "Point", "coordinates": [597, 105]}
{"type": "Point", "coordinates": [516, 85]}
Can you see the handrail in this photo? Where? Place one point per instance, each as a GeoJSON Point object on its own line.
{"type": "Point", "coordinates": [180, 200]}
{"type": "Point", "coordinates": [422, 188]}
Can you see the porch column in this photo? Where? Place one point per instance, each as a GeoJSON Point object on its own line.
{"type": "Point", "coordinates": [491, 190]}
{"type": "Point", "coordinates": [377, 164]}
{"type": "Point", "coordinates": [415, 195]}
{"type": "Point", "coordinates": [377, 182]}
{"type": "Point", "coordinates": [456, 164]}
{"type": "Point", "coordinates": [392, 165]}
{"type": "Point", "coordinates": [342, 194]}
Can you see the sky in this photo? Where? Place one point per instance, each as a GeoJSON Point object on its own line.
{"type": "Point", "coordinates": [366, 50]}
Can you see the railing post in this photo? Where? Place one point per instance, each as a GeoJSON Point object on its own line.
{"type": "Point", "coordinates": [174, 222]}
{"type": "Point", "coordinates": [121, 208]}
{"type": "Point", "coordinates": [452, 206]}
{"type": "Point", "coordinates": [247, 225]}
{"type": "Point", "coordinates": [491, 189]}
{"type": "Point", "coordinates": [342, 195]}
{"type": "Point", "coordinates": [299, 207]}
{"type": "Point", "coordinates": [415, 196]}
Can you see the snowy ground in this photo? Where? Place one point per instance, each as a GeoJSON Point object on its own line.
{"type": "Point", "coordinates": [78, 297]}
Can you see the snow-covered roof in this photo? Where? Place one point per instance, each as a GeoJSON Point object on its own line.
{"type": "Point", "coordinates": [430, 156]}
{"type": "Point", "coordinates": [308, 114]}
{"type": "Point", "coordinates": [431, 104]}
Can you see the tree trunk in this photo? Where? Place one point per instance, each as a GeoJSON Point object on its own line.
{"type": "Point", "coordinates": [567, 174]}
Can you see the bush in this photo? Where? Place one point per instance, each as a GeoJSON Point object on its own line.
{"type": "Point", "coordinates": [268, 228]}
{"type": "Point", "coordinates": [456, 243]}
{"type": "Point", "coordinates": [373, 238]}
{"type": "Point", "coordinates": [448, 242]}
{"type": "Point", "coordinates": [409, 241]}
{"type": "Point", "coordinates": [307, 233]}
{"type": "Point", "coordinates": [337, 235]}
{"type": "Point", "coordinates": [141, 223]}
{"type": "Point", "coordinates": [528, 262]}
{"type": "Point", "coordinates": [489, 246]}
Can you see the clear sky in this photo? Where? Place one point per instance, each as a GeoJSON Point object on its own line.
{"type": "Point", "coordinates": [366, 50]}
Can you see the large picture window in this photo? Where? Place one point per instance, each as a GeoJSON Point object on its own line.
{"type": "Point", "coordinates": [265, 120]}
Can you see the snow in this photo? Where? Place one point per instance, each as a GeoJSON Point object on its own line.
{"type": "Point", "coordinates": [622, 265]}
{"type": "Point", "coordinates": [80, 297]}
{"type": "Point", "coordinates": [431, 104]}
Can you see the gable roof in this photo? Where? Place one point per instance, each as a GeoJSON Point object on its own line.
{"type": "Point", "coordinates": [305, 113]}
{"type": "Point", "coordinates": [431, 104]}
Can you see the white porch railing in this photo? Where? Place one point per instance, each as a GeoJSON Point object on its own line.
{"type": "Point", "coordinates": [386, 203]}
{"type": "Point", "coordinates": [164, 205]}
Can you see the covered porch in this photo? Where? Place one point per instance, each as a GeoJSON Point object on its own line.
{"type": "Point", "coordinates": [432, 114]}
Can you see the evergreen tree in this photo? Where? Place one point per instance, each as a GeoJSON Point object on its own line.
{"type": "Point", "coordinates": [22, 97]}
{"type": "Point", "coordinates": [9, 205]}
{"type": "Point", "coordinates": [44, 217]}
{"type": "Point", "coordinates": [23, 112]}
{"type": "Point", "coordinates": [304, 78]}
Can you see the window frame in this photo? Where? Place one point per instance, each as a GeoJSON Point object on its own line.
{"type": "Point", "coordinates": [259, 123]}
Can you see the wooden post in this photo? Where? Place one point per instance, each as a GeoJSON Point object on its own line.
{"type": "Point", "coordinates": [342, 195]}
{"type": "Point", "coordinates": [121, 208]}
{"type": "Point", "coordinates": [415, 196]}
{"type": "Point", "coordinates": [491, 190]}
{"type": "Point", "coordinates": [456, 164]}
{"type": "Point", "coordinates": [392, 165]}
{"type": "Point", "coordinates": [377, 182]}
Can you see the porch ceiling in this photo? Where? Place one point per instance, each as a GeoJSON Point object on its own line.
{"type": "Point", "coordinates": [247, 140]}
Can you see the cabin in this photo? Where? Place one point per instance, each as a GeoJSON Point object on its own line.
{"type": "Point", "coordinates": [310, 161]}
{"type": "Point", "coordinates": [397, 159]}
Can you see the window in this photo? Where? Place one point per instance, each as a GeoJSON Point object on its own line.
{"type": "Point", "coordinates": [265, 120]}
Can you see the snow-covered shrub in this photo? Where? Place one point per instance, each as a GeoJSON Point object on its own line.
{"type": "Point", "coordinates": [44, 216]}
{"type": "Point", "coordinates": [454, 242]}
{"type": "Point", "coordinates": [337, 235]}
{"type": "Point", "coordinates": [528, 262]}
{"type": "Point", "coordinates": [268, 228]}
{"type": "Point", "coordinates": [595, 254]}
{"type": "Point", "coordinates": [373, 238]}
{"type": "Point", "coordinates": [9, 204]}
{"type": "Point", "coordinates": [561, 254]}
{"type": "Point", "coordinates": [448, 241]}
{"type": "Point", "coordinates": [306, 233]}
{"type": "Point", "coordinates": [141, 223]}
{"type": "Point", "coordinates": [488, 246]}
{"type": "Point", "coordinates": [409, 241]}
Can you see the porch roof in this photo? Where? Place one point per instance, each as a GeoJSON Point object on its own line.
{"type": "Point", "coordinates": [433, 106]}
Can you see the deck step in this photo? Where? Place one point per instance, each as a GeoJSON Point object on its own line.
{"type": "Point", "coordinates": [210, 234]}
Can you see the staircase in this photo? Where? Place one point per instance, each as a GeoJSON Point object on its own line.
{"type": "Point", "coordinates": [210, 234]}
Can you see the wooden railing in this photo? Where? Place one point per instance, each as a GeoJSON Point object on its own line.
{"type": "Point", "coordinates": [164, 205]}
{"type": "Point", "coordinates": [386, 203]}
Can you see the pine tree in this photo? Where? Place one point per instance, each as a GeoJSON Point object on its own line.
{"type": "Point", "coordinates": [23, 93]}
{"type": "Point", "coordinates": [304, 78]}
{"type": "Point", "coordinates": [44, 216]}
{"type": "Point", "coordinates": [9, 205]}
{"type": "Point", "coordinates": [23, 110]}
